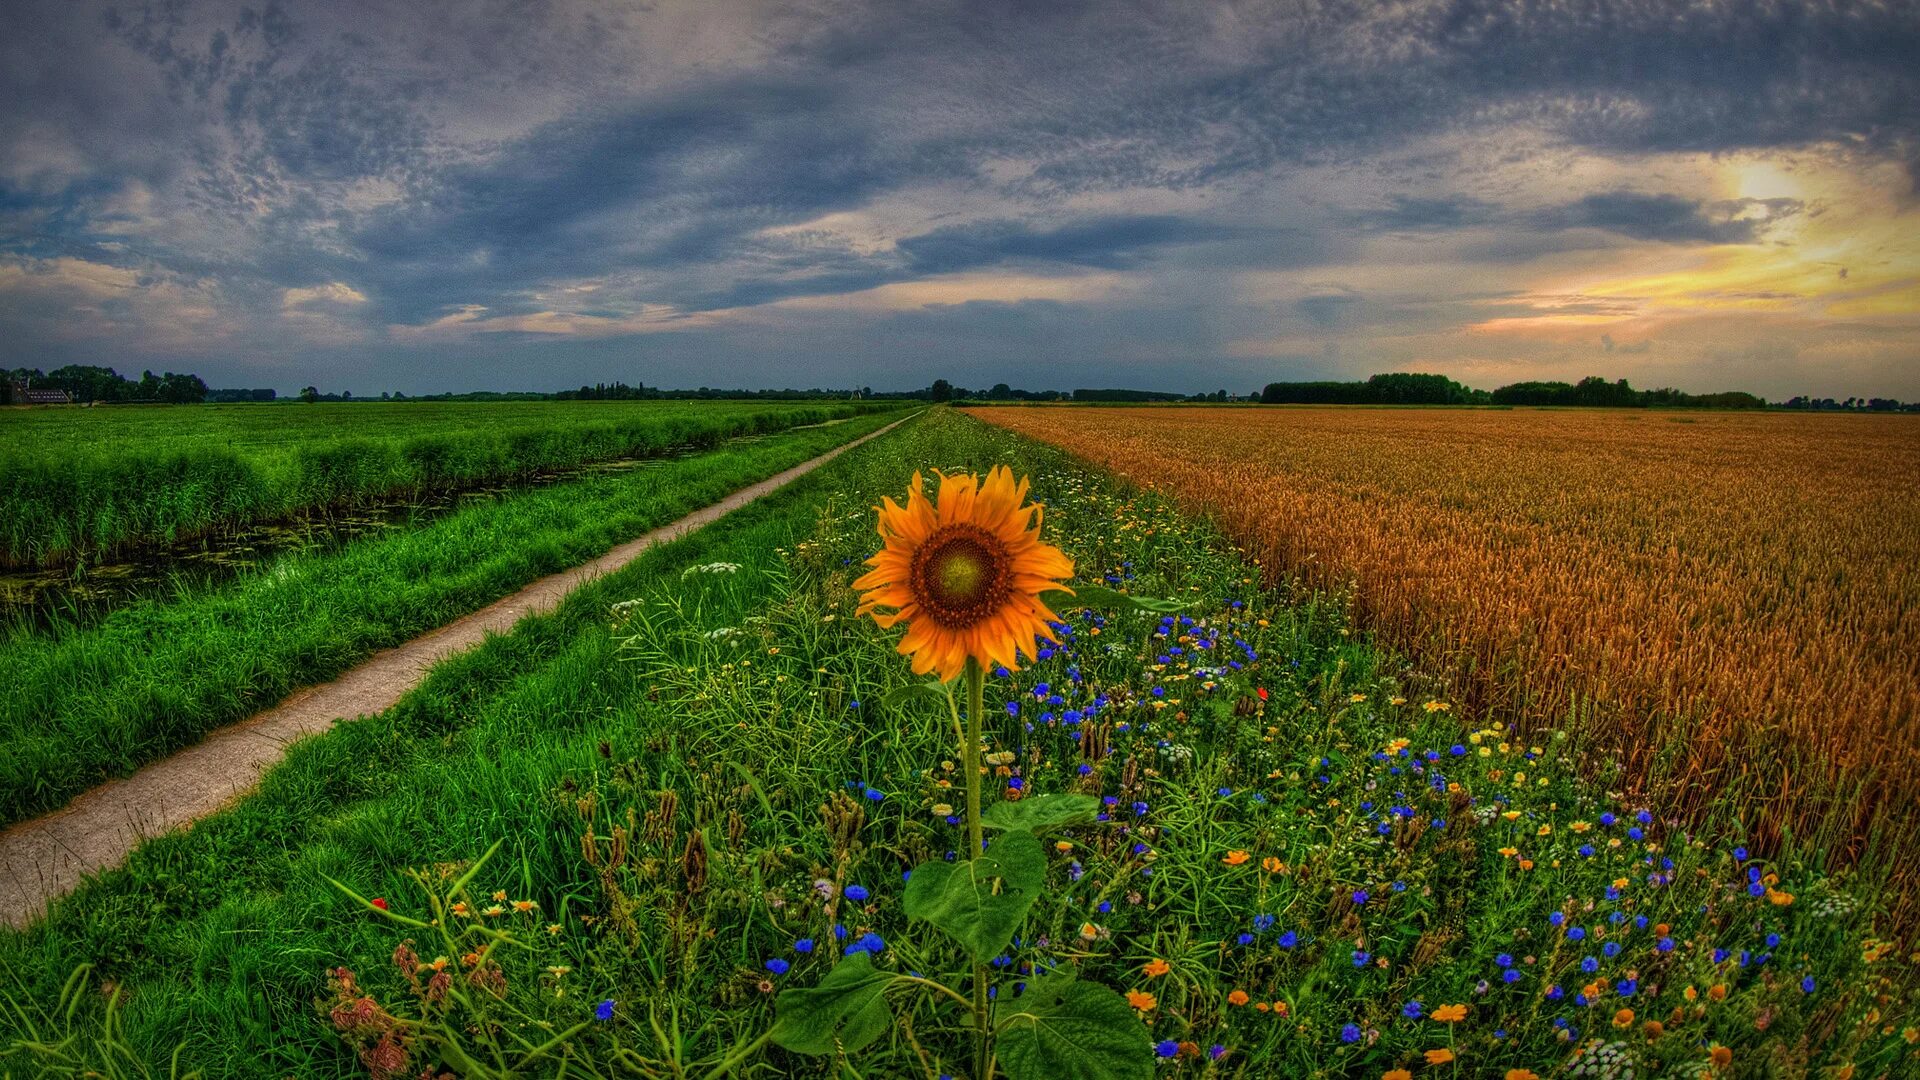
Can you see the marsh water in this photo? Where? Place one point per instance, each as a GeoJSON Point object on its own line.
{"type": "Point", "coordinates": [79, 594]}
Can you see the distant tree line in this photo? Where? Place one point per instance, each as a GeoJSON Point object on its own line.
{"type": "Point", "coordinates": [1852, 404]}
{"type": "Point", "coordinates": [88, 383]}
{"type": "Point", "coordinates": [1595, 391]}
{"type": "Point", "coordinates": [1395, 388]}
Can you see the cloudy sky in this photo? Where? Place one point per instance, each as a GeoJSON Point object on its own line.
{"type": "Point", "coordinates": [418, 195]}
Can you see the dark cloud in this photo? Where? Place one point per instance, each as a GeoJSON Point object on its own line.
{"type": "Point", "coordinates": [1668, 218]}
{"type": "Point", "coordinates": [1112, 242]}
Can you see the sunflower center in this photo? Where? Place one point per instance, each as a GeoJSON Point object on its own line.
{"type": "Point", "coordinates": [961, 575]}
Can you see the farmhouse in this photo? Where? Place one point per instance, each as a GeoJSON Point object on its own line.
{"type": "Point", "coordinates": [18, 393]}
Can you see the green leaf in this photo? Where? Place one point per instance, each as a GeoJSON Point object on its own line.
{"type": "Point", "coordinates": [1098, 596]}
{"type": "Point", "coordinates": [1039, 813]}
{"type": "Point", "coordinates": [923, 692]}
{"type": "Point", "coordinates": [1065, 1029]}
{"type": "Point", "coordinates": [980, 902]}
{"type": "Point", "coordinates": [848, 1010]}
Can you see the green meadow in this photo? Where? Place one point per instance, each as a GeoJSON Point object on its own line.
{"type": "Point", "coordinates": [673, 829]}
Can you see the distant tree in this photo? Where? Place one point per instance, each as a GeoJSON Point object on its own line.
{"type": "Point", "coordinates": [310, 394]}
{"type": "Point", "coordinates": [942, 390]}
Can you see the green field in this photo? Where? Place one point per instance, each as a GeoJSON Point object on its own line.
{"type": "Point", "coordinates": [75, 482]}
{"type": "Point", "coordinates": [86, 703]}
{"type": "Point", "coordinates": [1303, 853]}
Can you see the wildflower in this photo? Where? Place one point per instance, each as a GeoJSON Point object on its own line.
{"type": "Point", "coordinates": [1450, 1014]}
{"type": "Point", "coordinates": [964, 572]}
{"type": "Point", "coordinates": [604, 1010]}
{"type": "Point", "coordinates": [1411, 1010]}
{"type": "Point", "coordinates": [1350, 1033]}
{"type": "Point", "coordinates": [1141, 1001]}
{"type": "Point", "coordinates": [1166, 1048]}
{"type": "Point", "coordinates": [1623, 1018]}
{"type": "Point", "coordinates": [1236, 857]}
{"type": "Point", "coordinates": [1718, 991]}
{"type": "Point", "coordinates": [804, 945]}
{"type": "Point", "coordinates": [1156, 967]}
{"type": "Point", "coordinates": [554, 929]}
{"type": "Point", "coordinates": [1237, 998]}
{"type": "Point", "coordinates": [777, 966]}
{"type": "Point", "coordinates": [460, 908]}
{"type": "Point", "coordinates": [380, 902]}
{"type": "Point", "coordinates": [856, 893]}
{"type": "Point", "coordinates": [1806, 985]}
{"type": "Point", "coordinates": [1396, 1074]}
{"type": "Point", "coordinates": [1721, 1057]}
{"type": "Point", "coordinates": [521, 907]}
{"type": "Point", "coordinates": [1522, 1074]}
{"type": "Point", "coordinates": [1272, 865]}
{"type": "Point", "coordinates": [1440, 1056]}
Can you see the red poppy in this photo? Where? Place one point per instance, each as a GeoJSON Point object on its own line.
{"type": "Point", "coordinates": [380, 902]}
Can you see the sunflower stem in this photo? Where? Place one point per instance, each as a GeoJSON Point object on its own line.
{"type": "Point", "coordinates": [970, 755]}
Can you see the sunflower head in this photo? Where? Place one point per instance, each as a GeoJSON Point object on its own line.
{"type": "Point", "coordinates": [965, 572]}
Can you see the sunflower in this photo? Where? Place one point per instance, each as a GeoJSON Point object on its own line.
{"type": "Point", "coordinates": [964, 573]}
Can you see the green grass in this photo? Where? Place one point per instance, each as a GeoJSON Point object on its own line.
{"type": "Point", "coordinates": [681, 698]}
{"type": "Point", "coordinates": [74, 483]}
{"type": "Point", "coordinates": [82, 704]}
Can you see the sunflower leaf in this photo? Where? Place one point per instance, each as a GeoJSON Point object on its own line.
{"type": "Point", "coordinates": [980, 902]}
{"type": "Point", "coordinates": [1099, 596]}
{"type": "Point", "coordinates": [924, 692]}
{"type": "Point", "coordinates": [1063, 1028]}
{"type": "Point", "coordinates": [848, 1009]}
{"type": "Point", "coordinates": [1041, 813]}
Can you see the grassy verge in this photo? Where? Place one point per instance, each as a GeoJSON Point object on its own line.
{"type": "Point", "coordinates": [98, 701]}
{"type": "Point", "coordinates": [1303, 859]}
{"type": "Point", "coordinates": [75, 483]}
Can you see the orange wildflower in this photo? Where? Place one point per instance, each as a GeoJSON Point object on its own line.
{"type": "Point", "coordinates": [1141, 1001]}
{"type": "Point", "coordinates": [1235, 858]}
{"type": "Point", "coordinates": [1238, 997]}
{"type": "Point", "coordinates": [1440, 1056]}
{"type": "Point", "coordinates": [1156, 967]}
{"type": "Point", "coordinates": [1450, 1014]}
{"type": "Point", "coordinates": [1623, 1018]}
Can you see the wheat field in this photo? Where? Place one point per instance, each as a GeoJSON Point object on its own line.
{"type": "Point", "coordinates": [1730, 603]}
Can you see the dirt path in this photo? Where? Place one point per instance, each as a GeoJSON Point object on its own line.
{"type": "Point", "coordinates": [48, 856]}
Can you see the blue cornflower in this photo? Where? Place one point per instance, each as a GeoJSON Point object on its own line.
{"type": "Point", "coordinates": [604, 1010]}
{"type": "Point", "coordinates": [1262, 922]}
{"type": "Point", "coordinates": [1611, 949]}
{"type": "Point", "coordinates": [1740, 854]}
{"type": "Point", "coordinates": [804, 945]}
{"type": "Point", "coordinates": [1350, 1033]}
{"type": "Point", "coordinates": [1511, 975]}
{"type": "Point", "coordinates": [1359, 896]}
{"type": "Point", "coordinates": [1289, 939]}
{"type": "Point", "coordinates": [856, 893]}
{"type": "Point", "coordinates": [1412, 1010]}
{"type": "Point", "coordinates": [1360, 958]}
{"type": "Point", "coordinates": [1806, 985]}
{"type": "Point", "coordinates": [1505, 960]}
{"type": "Point", "coordinates": [1245, 939]}
{"type": "Point", "coordinates": [876, 795]}
{"type": "Point", "coordinates": [777, 966]}
{"type": "Point", "coordinates": [1575, 933]}
{"type": "Point", "coordinates": [1166, 1048]}
{"type": "Point", "coordinates": [1590, 964]}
